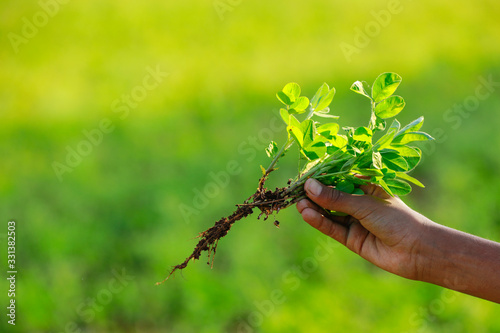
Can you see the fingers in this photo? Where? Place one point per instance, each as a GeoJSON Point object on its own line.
{"type": "Point", "coordinates": [358, 206]}
{"type": "Point", "coordinates": [312, 214]}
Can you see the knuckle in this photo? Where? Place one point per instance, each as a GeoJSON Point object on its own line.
{"type": "Point", "coordinates": [333, 196]}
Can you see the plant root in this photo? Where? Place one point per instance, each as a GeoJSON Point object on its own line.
{"type": "Point", "coordinates": [266, 200]}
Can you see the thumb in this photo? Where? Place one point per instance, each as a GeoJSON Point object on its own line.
{"type": "Point", "coordinates": [358, 206]}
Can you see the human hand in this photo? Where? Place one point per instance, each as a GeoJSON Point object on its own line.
{"type": "Point", "coordinates": [380, 228]}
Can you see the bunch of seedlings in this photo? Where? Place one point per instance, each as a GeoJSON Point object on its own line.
{"type": "Point", "coordinates": [343, 157]}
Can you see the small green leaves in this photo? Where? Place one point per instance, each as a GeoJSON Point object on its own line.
{"type": "Point", "coordinates": [385, 85]}
{"type": "Point", "coordinates": [284, 98]}
{"type": "Point", "coordinates": [402, 139]}
{"type": "Point", "coordinates": [322, 98]}
{"type": "Point", "coordinates": [398, 187]}
{"type": "Point", "coordinates": [391, 153]}
{"type": "Point", "coordinates": [328, 130]}
{"type": "Point", "coordinates": [292, 90]}
{"type": "Point", "coordinates": [294, 130]}
{"type": "Point", "coordinates": [322, 91]}
{"type": "Point", "coordinates": [349, 159]}
{"type": "Point", "coordinates": [409, 178]}
{"type": "Point", "coordinates": [394, 161]}
{"type": "Point", "coordinates": [289, 94]}
{"type": "Point", "coordinates": [297, 134]}
{"type": "Point", "coordinates": [272, 150]}
{"type": "Point", "coordinates": [386, 139]}
{"type": "Point", "coordinates": [413, 126]}
{"type": "Point", "coordinates": [370, 172]}
{"type": "Point", "coordinates": [383, 105]}
{"type": "Point", "coordinates": [315, 150]}
{"type": "Point", "coordinates": [358, 87]}
{"type": "Point", "coordinates": [411, 155]}
{"type": "Point", "coordinates": [308, 130]}
{"type": "Point", "coordinates": [390, 107]}
{"type": "Point", "coordinates": [363, 134]}
{"type": "Point", "coordinates": [377, 160]}
{"type": "Point", "coordinates": [345, 186]}
{"type": "Point", "coordinates": [376, 123]}
{"type": "Point", "coordinates": [410, 133]}
{"type": "Point", "coordinates": [299, 105]}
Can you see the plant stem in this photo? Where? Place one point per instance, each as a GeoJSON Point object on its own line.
{"type": "Point", "coordinates": [332, 174]}
{"type": "Point", "coordinates": [278, 155]}
{"type": "Point", "coordinates": [371, 125]}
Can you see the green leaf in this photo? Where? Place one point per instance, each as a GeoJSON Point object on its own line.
{"type": "Point", "coordinates": [328, 130]}
{"type": "Point", "coordinates": [348, 164]}
{"type": "Point", "coordinates": [307, 128]}
{"type": "Point", "coordinates": [376, 123]}
{"type": "Point", "coordinates": [363, 134]}
{"type": "Point", "coordinates": [393, 161]}
{"type": "Point", "coordinates": [349, 130]}
{"type": "Point", "coordinates": [385, 140]}
{"type": "Point", "coordinates": [412, 155]}
{"type": "Point", "coordinates": [322, 92]}
{"type": "Point", "coordinates": [292, 90]}
{"type": "Point", "coordinates": [325, 100]}
{"type": "Point", "coordinates": [369, 172]}
{"type": "Point", "coordinates": [408, 137]}
{"type": "Point", "coordinates": [283, 98]}
{"type": "Point", "coordinates": [285, 116]}
{"type": "Point", "coordinates": [384, 185]}
{"type": "Point", "coordinates": [263, 170]}
{"type": "Point", "coordinates": [272, 150]}
{"type": "Point", "coordinates": [365, 161]}
{"type": "Point", "coordinates": [390, 107]}
{"type": "Point", "coordinates": [314, 151]}
{"type": "Point", "coordinates": [358, 191]}
{"type": "Point", "coordinates": [300, 104]}
{"type": "Point", "coordinates": [338, 141]}
{"type": "Point", "coordinates": [356, 180]}
{"type": "Point", "coordinates": [296, 133]}
{"type": "Point", "coordinates": [395, 125]}
{"type": "Point", "coordinates": [345, 186]}
{"type": "Point", "coordinates": [388, 173]}
{"type": "Point", "coordinates": [377, 160]}
{"type": "Point", "coordinates": [398, 187]}
{"type": "Point", "coordinates": [294, 122]}
{"type": "Point", "coordinates": [409, 178]}
{"type": "Point", "coordinates": [385, 85]}
{"type": "Point", "coordinates": [358, 87]}
{"type": "Point", "coordinates": [413, 126]}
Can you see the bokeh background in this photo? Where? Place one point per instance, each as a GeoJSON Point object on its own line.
{"type": "Point", "coordinates": [97, 230]}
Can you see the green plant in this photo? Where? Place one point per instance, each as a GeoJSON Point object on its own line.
{"type": "Point", "coordinates": [345, 160]}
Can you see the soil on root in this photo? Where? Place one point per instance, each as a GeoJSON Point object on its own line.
{"type": "Point", "coordinates": [265, 200]}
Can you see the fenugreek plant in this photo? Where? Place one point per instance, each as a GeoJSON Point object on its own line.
{"type": "Point", "coordinates": [344, 157]}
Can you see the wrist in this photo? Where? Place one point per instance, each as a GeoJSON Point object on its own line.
{"type": "Point", "coordinates": [459, 261]}
{"type": "Point", "coordinates": [434, 261]}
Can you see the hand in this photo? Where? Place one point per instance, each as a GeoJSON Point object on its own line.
{"type": "Point", "coordinates": [386, 232]}
{"type": "Point", "coordinates": [380, 228]}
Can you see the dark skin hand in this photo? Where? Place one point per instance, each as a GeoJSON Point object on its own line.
{"type": "Point", "coordinates": [385, 231]}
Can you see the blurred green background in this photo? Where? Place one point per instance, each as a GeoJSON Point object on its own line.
{"type": "Point", "coordinates": [93, 237]}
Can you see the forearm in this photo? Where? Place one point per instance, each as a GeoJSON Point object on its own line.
{"type": "Point", "coordinates": [460, 261]}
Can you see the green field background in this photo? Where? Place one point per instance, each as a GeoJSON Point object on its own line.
{"type": "Point", "coordinates": [93, 238]}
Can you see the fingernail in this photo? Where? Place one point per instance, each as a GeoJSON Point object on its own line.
{"type": "Point", "coordinates": [313, 187]}
{"type": "Point", "coordinates": [302, 201]}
